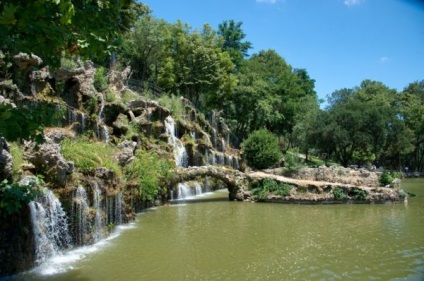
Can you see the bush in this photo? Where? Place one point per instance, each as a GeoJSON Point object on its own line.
{"type": "Point", "coordinates": [100, 79]}
{"type": "Point", "coordinates": [150, 172]}
{"type": "Point", "coordinates": [110, 96]}
{"type": "Point", "coordinates": [263, 188]}
{"type": "Point", "coordinates": [261, 149]}
{"type": "Point", "coordinates": [387, 177]}
{"type": "Point", "coordinates": [13, 196]}
{"type": "Point", "coordinates": [339, 194]}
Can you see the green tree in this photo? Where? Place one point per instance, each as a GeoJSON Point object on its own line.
{"type": "Point", "coordinates": [144, 46]}
{"type": "Point", "coordinates": [88, 28]}
{"type": "Point", "coordinates": [357, 122]}
{"type": "Point", "coordinates": [201, 70]}
{"type": "Point", "coordinates": [261, 149]}
{"type": "Point", "coordinates": [232, 35]}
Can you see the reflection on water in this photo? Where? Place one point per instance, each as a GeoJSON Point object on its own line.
{"type": "Point", "coordinates": [217, 239]}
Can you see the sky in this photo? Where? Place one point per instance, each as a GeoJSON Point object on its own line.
{"type": "Point", "coordinates": [339, 42]}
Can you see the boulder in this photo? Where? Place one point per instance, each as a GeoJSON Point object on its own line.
{"type": "Point", "coordinates": [47, 158]}
{"type": "Point", "coordinates": [127, 152]}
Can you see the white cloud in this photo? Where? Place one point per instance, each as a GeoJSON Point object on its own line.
{"type": "Point", "coordinates": [352, 2]}
{"type": "Point", "coordinates": [266, 1]}
{"type": "Point", "coordinates": [384, 59]}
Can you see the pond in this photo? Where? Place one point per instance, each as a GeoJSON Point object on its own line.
{"type": "Point", "coordinates": [211, 238]}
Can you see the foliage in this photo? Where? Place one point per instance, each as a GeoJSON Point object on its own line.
{"type": "Point", "coordinates": [387, 177]}
{"type": "Point", "coordinates": [13, 196]}
{"type": "Point", "coordinates": [100, 79]}
{"type": "Point", "coordinates": [339, 194]}
{"type": "Point", "coordinates": [359, 194]}
{"type": "Point", "coordinates": [151, 173]}
{"type": "Point", "coordinates": [27, 120]}
{"type": "Point", "coordinates": [232, 36]}
{"type": "Point", "coordinates": [269, 94]}
{"type": "Point", "coordinates": [84, 27]}
{"type": "Point", "coordinates": [87, 155]}
{"type": "Point", "coordinates": [261, 149]}
{"type": "Point", "coordinates": [174, 104]}
{"type": "Point", "coordinates": [266, 187]}
{"type": "Point", "coordinates": [17, 152]}
{"type": "Point", "coordinates": [357, 123]}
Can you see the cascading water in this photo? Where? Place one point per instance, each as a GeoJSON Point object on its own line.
{"type": "Point", "coordinates": [102, 132]}
{"type": "Point", "coordinates": [49, 224]}
{"type": "Point", "coordinates": [180, 153]}
{"type": "Point", "coordinates": [198, 188]}
{"type": "Point", "coordinates": [212, 159]}
{"type": "Point", "coordinates": [98, 220]}
{"type": "Point", "coordinates": [118, 208]}
{"type": "Point", "coordinates": [184, 191]}
{"type": "Point", "coordinates": [80, 211]}
{"type": "Point", "coordinates": [82, 122]}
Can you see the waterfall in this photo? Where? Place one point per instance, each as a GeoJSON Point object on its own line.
{"type": "Point", "coordinates": [184, 191]}
{"type": "Point", "coordinates": [212, 157]}
{"type": "Point", "coordinates": [82, 122]}
{"type": "Point", "coordinates": [180, 153]}
{"type": "Point", "coordinates": [198, 188]}
{"type": "Point", "coordinates": [98, 221]}
{"type": "Point", "coordinates": [102, 106]}
{"type": "Point", "coordinates": [49, 224]}
{"type": "Point", "coordinates": [214, 137]}
{"type": "Point", "coordinates": [230, 161]}
{"type": "Point", "coordinates": [207, 185]}
{"type": "Point", "coordinates": [223, 145]}
{"type": "Point", "coordinates": [102, 131]}
{"type": "Point", "coordinates": [221, 159]}
{"type": "Point", "coordinates": [236, 163]}
{"type": "Point", "coordinates": [72, 117]}
{"type": "Point", "coordinates": [80, 211]}
{"type": "Point", "coordinates": [118, 208]}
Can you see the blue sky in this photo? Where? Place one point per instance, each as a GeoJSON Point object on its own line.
{"type": "Point", "coordinates": [339, 42]}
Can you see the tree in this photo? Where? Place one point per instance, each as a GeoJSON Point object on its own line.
{"type": "Point", "coordinates": [88, 28]}
{"type": "Point", "coordinates": [261, 149]}
{"type": "Point", "coordinates": [232, 36]}
{"type": "Point", "coordinates": [412, 110]}
{"type": "Point", "coordinates": [202, 72]}
{"type": "Point", "coordinates": [357, 122]}
{"type": "Point", "coordinates": [144, 47]}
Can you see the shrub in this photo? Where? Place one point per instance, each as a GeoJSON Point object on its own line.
{"type": "Point", "coordinates": [359, 194]}
{"type": "Point", "coordinates": [261, 149]}
{"type": "Point", "coordinates": [263, 188]}
{"type": "Point", "coordinates": [151, 173]}
{"type": "Point", "coordinates": [17, 153]}
{"type": "Point", "coordinates": [88, 155]}
{"type": "Point", "coordinates": [100, 79]}
{"type": "Point", "coordinates": [387, 177]}
{"type": "Point", "coordinates": [174, 104]}
{"type": "Point", "coordinates": [13, 196]}
{"type": "Point", "coordinates": [339, 194]}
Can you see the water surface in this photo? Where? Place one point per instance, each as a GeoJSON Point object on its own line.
{"type": "Point", "coordinates": [214, 239]}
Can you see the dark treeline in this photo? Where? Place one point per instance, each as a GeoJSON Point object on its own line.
{"type": "Point", "coordinates": [369, 124]}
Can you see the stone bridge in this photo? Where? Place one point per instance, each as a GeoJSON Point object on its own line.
{"type": "Point", "coordinates": [307, 191]}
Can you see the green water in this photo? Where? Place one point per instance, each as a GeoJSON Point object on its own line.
{"type": "Point", "coordinates": [214, 239]}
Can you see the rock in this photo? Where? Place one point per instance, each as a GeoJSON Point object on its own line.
{"type": "Point", "coordinates": [117, 79]}
{"type": "Point", "coordinates": [120, 126]}
{"type": "Point", "coordinates": [127, 152]}
{"type": "Point", "coordinates": [6, 160]}
{"type": "Point", "coordinates": [47, 158]}
{"type": "Point", "coordinates": [24, 61]}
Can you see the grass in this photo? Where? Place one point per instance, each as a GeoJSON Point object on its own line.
{"type": "Point", "coordinates": [174, 104]}
{"type": "Point", "coordinates": [17, 152]}
{"type": "Point", "coordinates": [87, 155]}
